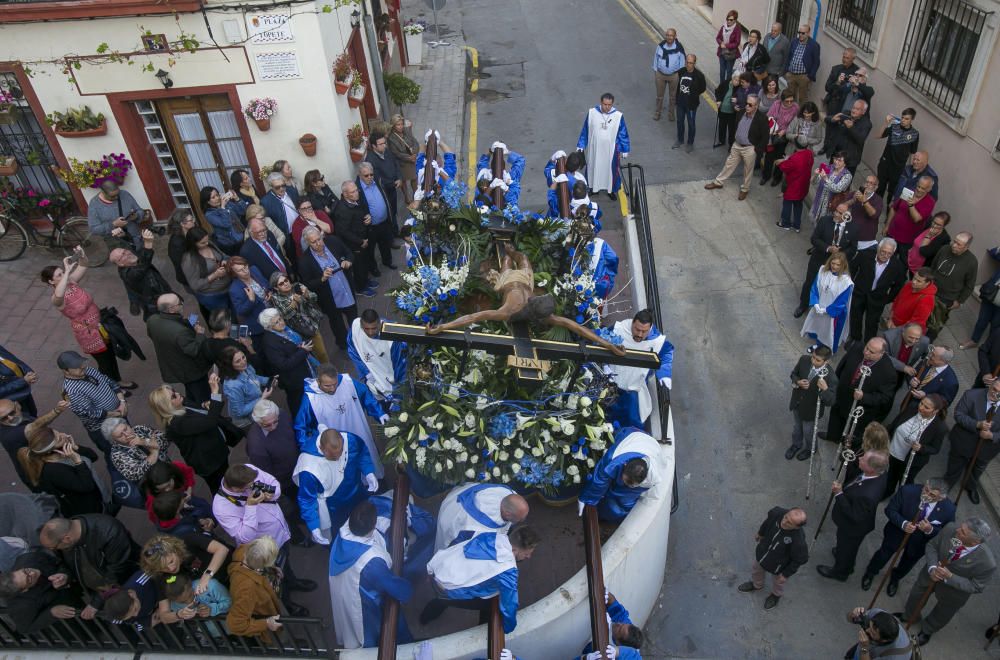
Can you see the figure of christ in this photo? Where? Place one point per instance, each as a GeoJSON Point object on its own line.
{"type": "Point", "coordinates": [516, 283]}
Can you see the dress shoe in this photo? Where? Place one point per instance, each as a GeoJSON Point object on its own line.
{"type": "Point", "coordinates": [775, 183]}
{"type": "Point", "coordinates": [892, 588]}
{"type": "Point", "coordinates": [771, 601]}
{"type": "Point", "coordinates": [973, 495]}
{"type": "Point", "coordinates": [712, 185]}
{"type": "Point", "coordinates": [866, 581]}
{"type": "Point", "coordinates": [689, 148]}
{"type": "Point", "coordinates": [799, 311]}
{"type": "Point", "coordinates": [301, 584]}
{"type": "Point", "coordinates": [827, 572]}
{"type": "Point", "coordinates": [671, 117]}
{"type": "Point", "coordinates": [747, 587]}
{"type": "Point", "coordinates": [790, 452]}
{"type": "Point", "coordinates": [743, 195]}
{"type": "Point", "coordinates": [612, 196]}
{"type": "Point", "coordinates": [294, 609]}
{"type": "Point", "coordinates": [763, 181]}
{"type": "Point", "coordinates": [991, 632]}
{"type": "Point", "coordinates": [922, 639]}
{"type": "Point", "coordinates": [128, 385]}
{"type": "Point", "coordinates": [391, 266]}
{"type": "Point", "coordinates": [134, 309]}
{"type": "Point", "coordinates": [677, 145]}
{"type": "Point", "coordinates": [804, 454]}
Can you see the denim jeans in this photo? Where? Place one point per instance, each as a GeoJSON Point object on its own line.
{"type": "Point", "coordinates": [726, 68]}
{"type": "Point", "coordinates": [788, 208]}
{"type": "Point", "coordinates": [685, 115]}
{"type": "Point", "coordinates": [802, 430]}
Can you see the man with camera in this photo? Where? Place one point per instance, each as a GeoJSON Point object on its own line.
{"type": "Point", "coordinates": [114, 213]}
{"type": "Point", "coordinates": [881, 636]}
{"type": "Point", "coordinates": [143, 282]}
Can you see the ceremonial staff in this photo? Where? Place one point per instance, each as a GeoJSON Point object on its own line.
{"type": "Point", "coordinates": [955, 543]}
{"type": "Point", "coordinates": [926, 360]}
{"type": "Point", "coordinates": [848, 455]}
{"type": "Point", "coordinates": [924, 423]}
{"type": "Point", "coordinates": [902, 544]}
{"type": "Point", "coordinates": [979, 447]}
{"type": "Point", "coordinates": [820, 373]}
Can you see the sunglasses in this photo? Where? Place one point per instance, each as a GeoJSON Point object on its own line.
{"type": "Point", "coordinates": [282, 186]}
{"type": "Point", "coordinates": [803, 33]}
{"type": "Point", "coordinates": [9, 415]}
{"type": "Point", "coordinates": [306, 208]}
{"type": "Point", "coordinates": [282, 282]}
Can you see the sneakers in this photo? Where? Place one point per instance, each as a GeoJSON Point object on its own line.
{"type": "Point", "coordinates": [372, 283]}
{"type": "Point", "coordinates": [677, 145]}
{"type": "Point", "coordinates": [747, 587]}
{"type": "Point", "coordinates": [781, 226]}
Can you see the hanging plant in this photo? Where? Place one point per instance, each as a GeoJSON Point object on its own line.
{"type": "Point", "coordinates": [92, 173]}
{"type": "Point", "coordinates": [77, 122]}
{"type": "Point", "coordinates": [261, 111]}
{"type": "Point", "coordinates": [358, 89]}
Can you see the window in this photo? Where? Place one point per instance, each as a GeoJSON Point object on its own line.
{"type": "Point", "coordinates": [854, 20]}
{"type": "Point", "coordinates": [939, 50]}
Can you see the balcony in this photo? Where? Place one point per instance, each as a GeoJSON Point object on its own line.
{"type": "Point", "coordinates": [26, 11]}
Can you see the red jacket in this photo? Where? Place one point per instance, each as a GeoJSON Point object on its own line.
{"type": "Point", "coordinates": [797, 169]}
{"type": "Point", "coordinates": [913, 306]}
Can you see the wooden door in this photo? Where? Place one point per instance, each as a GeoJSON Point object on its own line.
{"type": "Point", "coordinates": [206, 140]}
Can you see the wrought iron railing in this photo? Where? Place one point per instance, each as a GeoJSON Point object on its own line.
{"type": "Point", "coordinates": [634, 186]}
{"type": "Point", "coordinates": [853, 19]}
{"type": "Point", "coordinates": [940, 46]}
{"type": "Point", "coordinates": [789, 14]}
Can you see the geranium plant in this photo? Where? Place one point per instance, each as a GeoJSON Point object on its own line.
{"type": "Point", "coordinates": [258, 109]}
{"type": "Point", "coordinates": [342, 68]}
{"type": "Point", "coordinates": [7, 100]}
{"type": "Point", "coordinates": [92, 173]}
{"type": "Point", "coordinates": [27, 200]}
{"type": "Point", "coordinates": [414, 26]}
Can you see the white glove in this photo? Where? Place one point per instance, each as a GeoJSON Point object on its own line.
{"type": "Point", "coordinates": [580, 149]}
{"type": "Point", "coordinates": [560, 178]}
{"type": "Point", "coordinates": [319, 538]}
{"type": "Point", "coordinates": [667, 382]}
{"type": "Point", "coordinates": [822, 310]}
{"type": "Point", "coordinates": [383, 419]}
{"type": "Point", "coordinates": [611, 652]}
{"type": "Point", "coordinates": [557, 155]}
{"type": "Point", "coordinates": [418, 194]}
{"type": "Point", "coordinates": [594, 655]}
{"type": "Point", "coordinates": [579, 507]}
{"type": "Point", "coordinates": [372, 483]}
{"type": "Point", "coordinates": [607, 596]}
{"type": "Point", "coordinates": [498, 183]}
{"type": "Point", "coordinates": [505, 654]}
{"type": "Point", "coordinates": [818, 309]}
{"type": "Point", "coordinates": [500, 145]}
{"type": "Point", "coordinates": [624, 156]}
{"type": "Point", "coordinates": [431, 131]}
{"type": "Point", "coordinates": [424, 652]}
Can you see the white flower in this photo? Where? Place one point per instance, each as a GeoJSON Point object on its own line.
{"type": "Point", "coordinates": [518, 453]}
{"type": "Point", "coordinates": [463, 457]}
{"type": "Point", "coordinates": [515, 467]}
{"type": "Point", "coordinates": [550, 459]}
{"type": "Point", "coordinates": [572, 470]}
{"type": "Point", "coordinates": [437, 467]}
{"type": "Point", "coordinates": [590, 462]}
{"type": "Point", "coordinates": [572, 401]}
{"type": "Point", "coordinates": [451, 227]}
{"type": "Point", "coordinates": [470, 420]}
{"type": "Point", "coordinates": [454, 391]}
{"type": "Point", "coordinates": [546, 436]}
{"type": "Point", "coordinates": [585, 401]}
{"type": "Point", "coordinates": [474, 459]}
{"type": "Point", "coordinates": [403, 417]}
{"type": "Point", "coordinates": [565, 449]}
{"type": "Point", "coordinates": [439, 426]}
{"type": "Point", "coordinates": [391, 431]}
{"type": "Point", "coordinates": [506, 478]}
{"type": "Point", "coordinates": [505, 442]}
{"type": "Point", "coordinates": [470, 474]}
{"type": "Point", "coordinates": [496, 472]}
{"type": "Point", "coordinates": [536, 452]}
{"type": "Point", "coordinates": [576, 478]}
{"type": "Point", "coordinates": [503, 456]}
{"type": "Point", "coordinates": [481, 401]}
{"type": "Point", "coordinates": [450, 464]}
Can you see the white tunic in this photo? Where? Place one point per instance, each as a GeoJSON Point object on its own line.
{"type": "Point", "coordinates": [451, 569]}
{"type": "Point", "coordinates": [329, 474]}
{"type": "Point", "coordinates": [377, 356]}
{"type": "Point", "coordinates": [343, 411]}
{"type": "Point", "coordinates": [345, 590]}
{"type": "Point", "coordinates": [453, 518]}
{"type": "Point", "coordinates": [633, 379]}
{"type": "Point", "coordinates": [822, 325]}
{"type": "Point", "coordinates": [602, 136]}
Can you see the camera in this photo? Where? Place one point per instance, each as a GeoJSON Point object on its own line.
{"type": "Point", "coordinates": [260, 488]}
{"type": "Point", "coordinates": [864, 620]}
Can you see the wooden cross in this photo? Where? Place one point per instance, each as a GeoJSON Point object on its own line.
{"type": "Point", "coordinates": [430, 156]}
{"type": "Point", "coordinates": [531, 357]}
{"type": "Point", "coordinates": [562, 188]}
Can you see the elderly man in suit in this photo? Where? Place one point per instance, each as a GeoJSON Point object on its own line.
{"type": "Point", "coordinates": [777, 45]}
{"type": "Point", "coordinates": [938, 377]}
{"type": "Point", "coordinates": [281, 202]}
{"type": "Point", "coordinates": [833, 233]}
{"type": "Point", "coordinates": [807, 388]}
{"type": "Point", "coordinates": [262, 250]}
{"type": "Point", "coordinates": [875, 396]}
{"type": "Point", "coordinates": [878, 278]}
{"type": "Point", "coordinates": [918, 510]}
{"type": "Point", "coordinates": [988, 357]}
{"type": "Point", "coordinates": [970, 565]}
{"type": "Point", "coordinates": [976, 422]}
{"type": "Point", "coordinates": [906, 346]}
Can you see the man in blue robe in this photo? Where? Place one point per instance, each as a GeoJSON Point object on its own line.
{"type": "Point", "coordinates": [604, 264]}
{"type": "Point", "coordinates": [634, 402]}
{"type": "Point", "coordinates": [445, 169]}
{"type": "Point", "coordinates": [604, 139]}
{"type": "Point", "coordinates": [473, 508]}
{"type": "Point", "coordinates": [624, 635]}
{"type": "Point", "coordinates": [333, 475]}
{"type": "Point", "coordinates": [628, 469]}
{"type": "Point", "coordinates": [575, 163]}
{"type": "Point", "coordinates": [470, 573]}
{"type": "Point", "coordinates": [381, 363]}
{"type": "Point", "coordinates": [510, 182]}
{"type": "Point", "coordinates": [360, 578]}
{"type": "Point", "coordinates": [418, 542]}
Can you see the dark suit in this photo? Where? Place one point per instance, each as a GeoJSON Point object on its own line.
{"type": "Point", "coordinates": [291, 363]}
{"type": "Point", "coordinates": [944, 384]}
{"type": "Point", "coordinates": [381, 234]}
{"type": "Point", "coordinates": [970, 575]}
{"type": "Point", "coordinates": [256, 255]}
{"type": "Point", "coordinates": [964, 437]}
{"type": "Point", "coordinates": [849, 140]}
{"type": "Point", "coordinates": [803, 402]}
{"type": "Point", "coordinates": [827, 234]}
{"type": "Point", "coordinates": [349, 226]}
{"type": "Point", "coordinates": [930, 441]}
{"type": "Point", "coordinates": [312, 277]}
{"type": "Point", "coordinates": [867, 303]}
{"type": "Point", "coordinates": [894, 338]}
{"type": "Point", "coordinates": [989, 357]}
{"type": "Point", "coordinates": [879, 391]}
{"type": "Point", "coordinates": [854, 512]}
{"type": "Point", "coordinates": [387, 173]}
{"type": "Point", "coordinates": [902, 508]}
{"type": "Point", "coordinates": [275, 208]}
{"type": "Point", "coordinates": [833, 84]}
{"type": "Point", "coordinates": [13, 386]}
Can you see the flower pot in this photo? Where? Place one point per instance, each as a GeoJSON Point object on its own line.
{"type": "Point", "coordinates": [343, 86]}
{"type": "Point", "coordinates": [358, 154]}
{"type": "Point", "coordinates": [355, 99]}
{"type": "Point", "coordinates": [308, 144]}
{"type": "Point", "coordinates": [414, 48]}
{"type": "Point", "coordinates": [263, 125]}
{"type": "Point", "coordinates": [8, 166]}
{"type": "Point", "coordinates": [93, 132]}
{"type": "Point", "coordinates": [10, 115]}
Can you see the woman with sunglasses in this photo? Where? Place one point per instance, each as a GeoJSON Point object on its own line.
{"type": "Point", "coordinates": [200, 556]}
{"type": "Point", "coordinates": [309, 216]}
{"type": "Point", "coordinates": [314, 188]}
{"type": "Point", "coordinates": [300, 308]}
{"type": "Point", "coordinates": [728, 40]}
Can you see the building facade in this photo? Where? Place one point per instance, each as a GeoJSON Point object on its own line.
{"type": "Point", "coordinates": [172, 78]}
{"type": "Point", "coordinates": [932, 55]}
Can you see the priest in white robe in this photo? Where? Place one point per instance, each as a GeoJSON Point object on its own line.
{"type": "Point", "coordinates": [333, 475]}
{"type": "Point", "coordinates": [361, 579]}
{"type": "Point", "coordinates": [337, 401]}
{"type": "Point", "coordinates": [604, 140]}
{"type": "Point", "coordinates": [473, 507]}
{"type": "Point", "coordinates": [830, 303]}
{"type": "Point", "coordinates": [629, 469]}
{"type": "Point", "coordinates": [634, 402]}
{"type": "Point", "coordinates": [381, 363]}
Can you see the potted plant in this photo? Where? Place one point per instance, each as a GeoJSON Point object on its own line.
{"type": "Point", "coordinates": [8, 166]}
{"type": "Point", "coordinates": [358, 140]}
{"type": "Point", "coordinates": [308, 144]}
{"type": "Point", "coordinates": [413, 32]}
{"type": "Point", "coordinates": [357, 94]}
{"type": "Point", "coordinates": [92, 173]}
{"type": "Point", "coordinates": [261, 111]}
{"type": "Point", "coordinates": [343, 73]}
{"type": "Point", "coordinates": [77, 122]}
{"type": "Point", "coordinates": [401, 90]}
{"type": "Point", "coordinates": [9, 110]}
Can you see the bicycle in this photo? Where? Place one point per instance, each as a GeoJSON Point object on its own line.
{"type": "Point", "coordinates": [55, 233]}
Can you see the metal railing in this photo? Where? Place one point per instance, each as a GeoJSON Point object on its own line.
{"type": "Point", "coordinates": [940, 45]}
{"type": "Point", "coordinates": [298, 638]}
{"type": "Point", "coordinates": [634, 186]}
{"type": "Point", "coordinates": [854, 20]}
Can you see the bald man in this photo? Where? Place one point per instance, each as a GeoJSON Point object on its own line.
{"type": "Point", "coordinates": [473, 508]}
{"type": "Point", "coordinates": [781, 550]}
{"type": "Point", "coordinates": [180, 348]}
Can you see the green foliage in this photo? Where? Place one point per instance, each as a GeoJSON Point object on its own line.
{"type": "Point", "coordinates": [401, 90]}
{"type": "Point", "coordinates": [75, 120]}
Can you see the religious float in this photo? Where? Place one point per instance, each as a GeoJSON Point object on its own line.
{"type": "Point", "coordinates": [519, 399]}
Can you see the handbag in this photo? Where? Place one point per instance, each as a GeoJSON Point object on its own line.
{"type": "Point", "coordinates": [730, 54]}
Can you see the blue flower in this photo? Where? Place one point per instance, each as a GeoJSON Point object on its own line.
{"type": "Point", "coordinates": [442, 296]}
{"type": "Point", "coordinates": [422, 443]}
{"type": "Point", "coordinates": [452, 310]}
{"type": "Point", "coordinates": [490, 465]}
{"type": "Point", "coordinates": [453, 193]}
{"type": "Point", "coordinates": [453, 292]}
{"type": "Point", "coordinates": [500, 427]}
{"type": "Point", "coordinates": [482, 476]}
{"type": "Point", "coordinates": [579, 318]}
{"type": "Point", "coordinates": [572, 251]}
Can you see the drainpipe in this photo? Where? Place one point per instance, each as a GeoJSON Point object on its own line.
{"type": "Point", "coordinates": [819, 11]}
{"type": "Point", "coordinates": [376, 60]}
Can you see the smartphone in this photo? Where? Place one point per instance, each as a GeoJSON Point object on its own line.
{"type": "Point", "coordinates": [244, 331]}
{"type": "Point", "coordinates": [74, 258]}
{"type": "Point", "coordinates": [896, 120]}
{"type": "Point", "coordinates": [233, 332]}
{"type": "Point", "coordinates": [193, 319]}
{"type": "Point", "coordinates": [271, 384]}
{"type": "Point", "coordinates": [824, 168]}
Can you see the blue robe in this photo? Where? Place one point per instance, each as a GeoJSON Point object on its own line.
{"type": "Point", "coordinates": [352, 488]}
{"type": "Point", "coordinates": [625, 410]}
{"type": "Point", "coordinates": [450, 167]}
{"type": "Point", "coordinates": [306, 424]}
{"type": "Point", "coordinates": [622, 146]}
{"type": "Point", "coordinates": [837, 311]}
{"type": "Point", "coordinates": [397, 355]}
{"type": "Point", "coordinates": [606, 269]}
{"type": "Point", "coordinates": [550, 173]}
{"type": "Point", "coordinates": [421, 524]}
{"type": "Point", "coordinates": [605, 488]}
{"type": "Point", "coordinates": [377, 581]}
{"type": "Point", "coordinates": [618, 614]}
{"type": "Point", "coordinates": [516, 171]}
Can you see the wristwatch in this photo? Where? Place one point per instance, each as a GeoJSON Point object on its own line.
{"type": "Point", "coordinates": [209, 572]}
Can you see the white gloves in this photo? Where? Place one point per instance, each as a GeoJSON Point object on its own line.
{"type": "Point", "coordinates": [667, 382]}
{"type": "Point", "coordinates": [498, 183]}
{"type": "Point", "coordinates": [579, 507]}
{"type": "Point", "coordinates": [557, 155]}
{"type": "Point", "coordinates": [372, 483]}
{"type": "Point", "coordinates": [430, 132]}
{"type": "Point", "coordinates": [624, 156]}
{"type": "Point", "coordinates": [319, 538]}
{"type": "Point", "coordinates": [500, 145]}
{"type": "Point", "coordinates": [383, 419]}
{"type": "Point", "coordinates": [505, 654]}
{"type": "Point", "coordinates": [819, 308]}
{"type": "Point", "coordinates": [560, 178]}
{"type": "Point", "coordinates": [418, 194]}
{"type": "Point", "coordinates": [609, 653]}
{"type": "Point", "coordinates": [607, 596]}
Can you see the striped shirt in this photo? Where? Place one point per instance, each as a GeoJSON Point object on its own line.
{"type": "Point", "coordinates": [92, 397]}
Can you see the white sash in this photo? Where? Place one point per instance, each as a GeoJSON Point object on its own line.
{"type": "Point", "coordinates": [329, 473]}
{"type": "Point", "coordinates": [377, 356]}
{"type": "Point", "coordinates": [343, 411]}
{"type": "Point", "coordinates": [453, 518]}
{"type": "Point", "coordinates": [451, 569]}
{"type": "Point", "coordinates": [595, 258]}
{"type": "Point", "coordinates": [345, 590]}
{"type": "Point", "coordinates": [634, 378]}
{"type": "Point", "coordinates": [639, 442]}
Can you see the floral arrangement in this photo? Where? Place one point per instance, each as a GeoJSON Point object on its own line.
{"type": "Point", "coordinates": [92, 173]}
{"type": "Point", "coordinates": [26, 199]}
{"type": "Point", "coordinates": [414, 26]}
{"type": "Point", "coordinates": [342, 69]}
{"type": "Point", "coordinates": [263, 108]}
{"type": "Point", "coordinates": [430, 293]}
{"type": "Point", "coordinates": [7, 100]}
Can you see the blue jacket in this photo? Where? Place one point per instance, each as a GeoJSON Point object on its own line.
{"type": "Point", "coordinates": [606, 489]}
{"type": "Point", "coordinates": [223, 231]}
{"type": "Point", "coordinates": [483, 547]}
{"type": "Point", "coordinates": [420, 546]}
{"type": "Point", "coordinates": [618, 614]}
{"type": "Point", "coordinates": [247, 311]}
{"type": "Point", "coordinates": [243, 393]}
{"type": "Point", "coordinates": [515, 169]}
{"type": "Point", "coordinates": [397, 355]}
{"type": "Point", "coordinates": [306, 425]}
{"type": "Point", "coordinates": [810, 59]}
{"type": "Point", "coordinates": [450, 166]}
{"type": "Point", "coordinates": [12, 386]}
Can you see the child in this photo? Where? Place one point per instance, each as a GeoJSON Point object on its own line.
{"type": "Point", "coordinates": [134, 604]}
{"type": "Point", "coordinates": [178, 513]}
{"type": "Point", "coordinates": [214, 601]}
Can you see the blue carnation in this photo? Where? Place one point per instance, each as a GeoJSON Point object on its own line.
{"type": "Point", "coordinates": [579, 318]}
